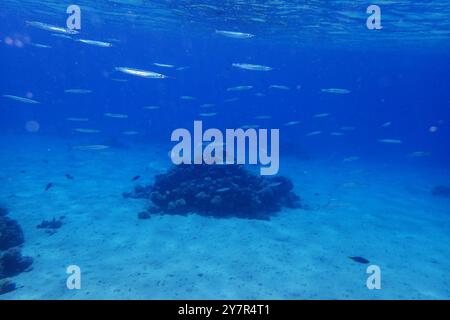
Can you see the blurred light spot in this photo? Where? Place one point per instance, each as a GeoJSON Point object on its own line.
{"type": "Point", "coordinates": [9, 41]}
{"type": "Point", "coordinates": [32, 126]}
{"type": "Point", "coordinates": [18, 43]}
{"type": "Point", "coordinates": [29, 95]}
{"type": "Point", "coordinates": [433, 129]}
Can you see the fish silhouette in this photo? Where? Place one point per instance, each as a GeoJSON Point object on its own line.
{"type": "Point", "coordinates": [360, 260]}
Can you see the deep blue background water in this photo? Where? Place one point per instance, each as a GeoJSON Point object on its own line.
{"type": "Point", "coordinates": [405, 85]}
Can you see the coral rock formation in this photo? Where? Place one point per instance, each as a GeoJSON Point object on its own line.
{"type": "Point", "coordinates": [219, 191]}
{"type": "Point", "coordinates": [11, 260]}
{"type": "Point", "coordinates": [11, 234]}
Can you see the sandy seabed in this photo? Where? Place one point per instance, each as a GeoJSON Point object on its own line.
{"type": "Point", "coordinates": [383, 213]}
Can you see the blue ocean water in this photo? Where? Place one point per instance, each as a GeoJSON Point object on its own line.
{"type": "Point", "coordinates": [382, 136]}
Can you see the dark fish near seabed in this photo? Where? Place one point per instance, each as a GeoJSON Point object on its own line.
{"type": "Point", "coordinates": [70, 177]}
{"type": "Point", "coordinates": [48, 186]}
{"type": "Point", "coordinates": [136, 178]}
{"type": "Point", "coordinates": [360, 260]}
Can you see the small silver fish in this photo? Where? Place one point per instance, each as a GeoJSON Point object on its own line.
{"type": "Point", "coordinates": [279, 87]}
{"type": "Point", "coordinates": [92, 147]}
{"type": "Point", "coordinates": [20, 99]}
{"type": "Point", "coordinates": [116, 115]}
{"type": "Point", "coordinates": [240, 88]}
{"type": "Point", "coordinates": [314, 133]}
{"type": "Point", "coordinates": [95, 43]}
{"type": "Point", "coordinates": [83, 130]}
{"type": "Point", "coordinates": [150, 107]}
{"type": "Point", "coordinates": [40, 45]}
{"type": "Point", "coordinates": [234, 34]}
{"type": "Point", "coordinates": [130, 133]}
{"type": "Point", "coordinates": [163, 65]}
{"type": "Point", "coordinates": [291, 123]}
{"type": "Point", "coordinates": [187, 98]}
{"type": "Point", "coordinates": [48, 27]}
{"type": "Point", "coordinates": [78, 91]}
{"type": "Point", "coordinates": [252, 67]}
{"type": "Point", "coordinates": [274, 184]}
{"type": "Point", "coordinates": [336, 91]}
{"type": "Point", "coordinates": [391, 141]}
{"type": "Point", "coordinates": [141, 73]}
{"type": "Point", "coordinates": [77, 119]}
{"type": "Point", "coordinates": [59, 35]}
{"type": "Point", "coordinates": [321, 115]}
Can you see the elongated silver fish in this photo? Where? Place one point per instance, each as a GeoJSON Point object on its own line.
{"type": "Point", "coordinates": [48, 27]}
{"type": "Point", "coordinates": [95, 43]}
{"type": "Point", "coordinates": [314, 133]}
{"type": "Point", "coordinates": [59, 35]}
{"type": "Point", "coordinates": [83, 130]}
{"type": "Point", "coordinates": [40, 45]}
{"type": "Point", "coordinates": [235, 35]}
{"type": "Point", "coordinates": [392, 141]}
{"type": "Point", "coordinates": [252, 67]}
{"type": "Point", "coordinates": [130, 133]}
{"type": "Point", "coordinates": [92, 147]}
{"type": "Point", "coordinates": [280, 87]}
{"type": "Point", "coordinates": [116, 115]}
{"type": "Point", "coordinates": [78, 91]}
{"type": "Point", "coordinates": [291, 123]}
{"type": "Point", "coordinates": [336, 91]}
{"type": "Point", "coordinates": [151, 107]}
{"type": "Point", "coordinates": [20, 99]}
{"type": "Point", "coordinates": [187, 98]}
{"type": "Point", "coordinates": [141, 73]}
{"type": "Point", "coordinates": [240, 88]}
{"type": "Point", "coordinates": [77, 119]}
{"type": "Point", "coordinates": [163, 65]}
{"type": "Point", "coordinates": [321, 115]}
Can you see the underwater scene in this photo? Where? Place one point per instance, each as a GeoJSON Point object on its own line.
{"type": "Point", "coordinates": [236, 149]}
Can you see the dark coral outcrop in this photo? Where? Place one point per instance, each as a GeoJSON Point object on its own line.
{"type": "Point", "coordinates": [11, 234]}
{"type": "Point", "coordinates": [11, 260]}
{"type": "Point", "coordinates": [219, 191]}
{"type": "Point", "coordinates": [12, 263]}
